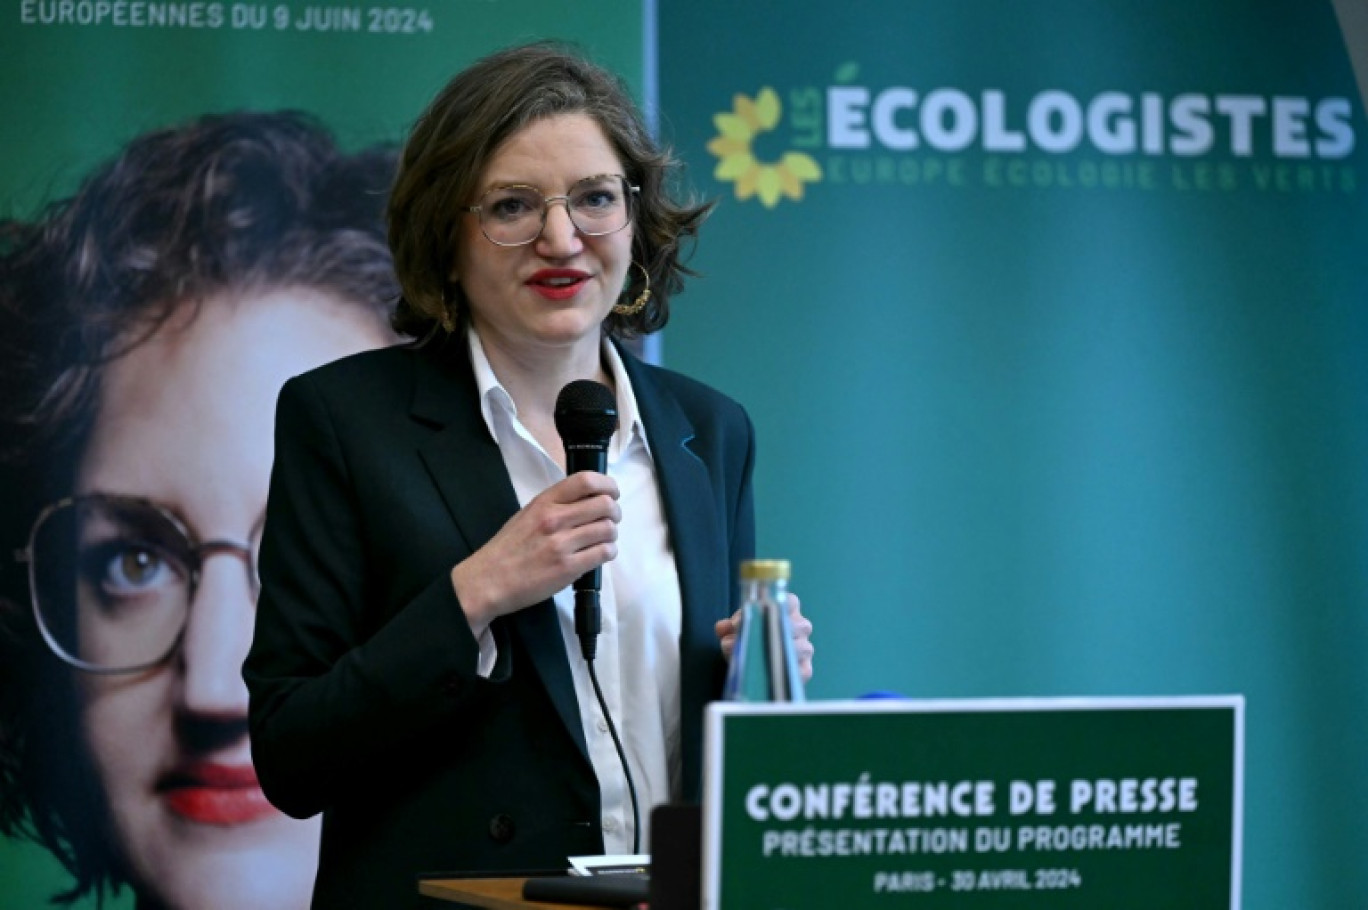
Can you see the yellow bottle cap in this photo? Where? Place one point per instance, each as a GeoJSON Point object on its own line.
{"type": "Point", "coordinates": [764, 570]}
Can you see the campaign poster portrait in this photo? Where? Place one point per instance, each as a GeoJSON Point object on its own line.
{"type": "Point", "coordinates": [192, 195]}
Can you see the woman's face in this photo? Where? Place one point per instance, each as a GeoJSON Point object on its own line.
{"type": "Point", "coordinates": [555, 292]}
{"type": "Point", "coordinates": [186, 420]}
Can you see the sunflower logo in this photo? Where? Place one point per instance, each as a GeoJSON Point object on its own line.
{"type": "Point", "coordinates": [736, 131]}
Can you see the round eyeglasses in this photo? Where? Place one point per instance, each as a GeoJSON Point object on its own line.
{"type": "Point", "coordinates": [515, 215]}
{"type": "Point", "coordinates": [112, 579]}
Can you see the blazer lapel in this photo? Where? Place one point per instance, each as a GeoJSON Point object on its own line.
{"type": "Point", "coordinates": [696, 530]}
{"type": "Point", "coordinates": [467, 468]}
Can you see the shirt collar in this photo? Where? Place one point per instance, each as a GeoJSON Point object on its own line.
{"type": "Point", "coordinates": [492, 392]}
{"type": "Point", "coordinates": [630, 427]}
{"type": "Point", "coordinates": [493, 395]}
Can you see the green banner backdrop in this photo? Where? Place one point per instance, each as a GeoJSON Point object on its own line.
{"type": "Point", "coordinates": [84, 78]}
{"type": "Point", "coordinates": [1052, 318]}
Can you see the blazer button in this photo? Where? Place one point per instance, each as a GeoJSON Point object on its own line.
{"type": "Point", "coordinates": [501, 828]}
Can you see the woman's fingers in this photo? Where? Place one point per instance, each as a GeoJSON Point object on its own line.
{"type": "Point", "coordinates": [567, 530]}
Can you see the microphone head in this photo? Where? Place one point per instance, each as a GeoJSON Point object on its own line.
{"type": "Point", "coordinates": [586, 413]}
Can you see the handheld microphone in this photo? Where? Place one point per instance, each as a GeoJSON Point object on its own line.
{"type": "Point", "coordinates": [586, 416]}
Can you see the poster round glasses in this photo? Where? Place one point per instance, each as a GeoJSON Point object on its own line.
{"type": "Point", "coordinates": [112, 579]}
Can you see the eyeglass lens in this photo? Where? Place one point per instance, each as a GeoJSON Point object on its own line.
{"type": "Point", "coordinates": [514, 215]}
{"type": "Point", "coordinates": [113, 579]}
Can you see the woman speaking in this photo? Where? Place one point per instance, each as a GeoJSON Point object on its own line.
{"type": "Point", "coordinates": [415, 674]}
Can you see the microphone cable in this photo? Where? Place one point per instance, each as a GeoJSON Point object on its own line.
{"type": "Point", "coordinates": [622, 754]}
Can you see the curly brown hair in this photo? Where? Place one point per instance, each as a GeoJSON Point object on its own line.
{"type": "Point", "coordinates": [453, 141]}
{"type": "Point", "coordinates": [243, 202]}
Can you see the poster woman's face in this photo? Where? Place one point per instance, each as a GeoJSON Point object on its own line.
{"type": "Point", "coordinates": [185, 420]}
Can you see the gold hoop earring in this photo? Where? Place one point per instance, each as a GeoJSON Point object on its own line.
{"type": "Point", "coordinates": [636, 306]}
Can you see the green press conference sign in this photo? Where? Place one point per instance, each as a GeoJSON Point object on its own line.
{"type": "Point", "coordinates": [1017, 803]}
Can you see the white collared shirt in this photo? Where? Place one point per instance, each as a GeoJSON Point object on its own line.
{"type": "Point", "coordinates": [638, 647]}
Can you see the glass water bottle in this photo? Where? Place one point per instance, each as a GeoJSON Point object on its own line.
{"type": "Point", "coordinates": [764, 665]}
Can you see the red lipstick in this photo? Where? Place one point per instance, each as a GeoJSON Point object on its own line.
{"type": "Point", "coordinates": [558, 284]}
{"type": "Point", "coordinates": [210, 793]}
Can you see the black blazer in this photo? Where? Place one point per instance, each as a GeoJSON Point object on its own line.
{"type": "Point", "coordinates": [365, 702]}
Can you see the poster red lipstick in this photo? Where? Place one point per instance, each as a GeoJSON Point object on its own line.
{"type": "Point", "coordinates": [209, 793]}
